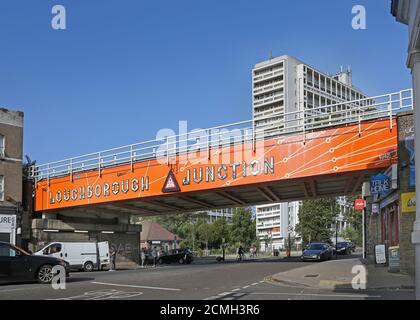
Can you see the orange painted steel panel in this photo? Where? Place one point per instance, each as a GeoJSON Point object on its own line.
{"type": "Point", "coordinates": [335, 150]}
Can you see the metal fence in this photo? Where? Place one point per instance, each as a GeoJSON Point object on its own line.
{"type": "Point", "coordinates": [250, 131]}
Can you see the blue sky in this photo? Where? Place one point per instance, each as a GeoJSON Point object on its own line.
{"type": "Point", "coordinates": [125, 69]}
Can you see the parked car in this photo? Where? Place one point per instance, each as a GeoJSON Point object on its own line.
{"type": "Point", "coordinates": [17, 265]}
{"type": "Point", "coordinates": [317, 251]}
{"type": "Point", "coordinates": [80, 255]}
{"type": "Point", "coordinates": [181, 256]}
{"type": "Point", "coordinates": [344, 247]}
{"type": "Point", "coordinates": [352, 246]}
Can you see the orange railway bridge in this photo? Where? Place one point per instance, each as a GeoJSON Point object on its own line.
{"type": "Point", "coordinates": [324, 151]}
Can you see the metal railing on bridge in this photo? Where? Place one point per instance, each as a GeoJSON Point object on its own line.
{"type": "Point", "coordinates": [250, 131]}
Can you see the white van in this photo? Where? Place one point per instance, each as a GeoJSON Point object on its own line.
{"type": "Point", "coordinates": [80, 255]}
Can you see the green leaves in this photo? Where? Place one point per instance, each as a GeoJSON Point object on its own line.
{"type": "Point", "coordinates": [315, 219]}
{"type": "Point", "coordinates": [197, 233]}
{"type": "Point", "coordinates": [243, 229]}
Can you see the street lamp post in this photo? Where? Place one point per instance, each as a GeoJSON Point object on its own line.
{"type": "Point", "coordinates": [336, 236]}
{"type": "Point", "coordinates": [223, 234]}
{"type": "Point", "coordinates": [336, 228]}
{"type": "Point", "coordinates": [289, 234]}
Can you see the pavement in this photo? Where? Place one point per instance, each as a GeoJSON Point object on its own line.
{"type": "Point", "coordinates": [378, 277]}
{"type": "Point", "coordinates": [328, 274]}
{"type": "Point", "coordinates": [340, 273]}
{"type": "Point", "coordinates": [247, 280]}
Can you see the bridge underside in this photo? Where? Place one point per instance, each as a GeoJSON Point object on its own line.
{"type": "Point", "coordinates": [258, 194]}
{"type": "Point", "coordinates": [326, 163]}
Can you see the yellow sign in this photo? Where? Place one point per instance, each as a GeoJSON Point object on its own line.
{"type": "Point", "coordinates": [408, 202]}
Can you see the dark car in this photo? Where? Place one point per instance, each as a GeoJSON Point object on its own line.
{"type": "Point", "coordinates": [344, 247]}
{"type": "Point", "coordinates": [177, 255]}
{"type": "Point", "coordinates": [352, 246]}
{"type": "Point", "coordinates": [317, 251]}
{"type": "Point", "coordinates": [17, 265]}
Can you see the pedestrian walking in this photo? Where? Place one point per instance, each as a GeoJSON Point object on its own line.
{"type": "Point", "coordinates": [158, 255]}
{"type": "Point", "coordinates": [154, 256]}
{"type": "Point", "coordinates": [252, 252]}
{"type": "Point", "coordinates": [142, 257]}
{"type": "Point", "coordinates": [240, 253]}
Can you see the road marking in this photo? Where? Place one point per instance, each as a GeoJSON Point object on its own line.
{"type": "Point", "coordinates": [211, 298]}
{"type": "Point", "coordinates": [107, 294]}
{"type": "Point", "coordinates": [245, 287]}
{"type": "Point", "coordinates": [316, 294]}
{"type": "Point", "coordinates": [224, 293]}
{"type": "Point", "coordinates": [254, 284]}
{"type": "Point", "coordinates": [234, 290]}
{"type": "Point", "coordinates": [19, 289]}
{"type": "Point", "coordinates": [239, 294]}
{"type": "Point", "coordinates": [133, 286]}
{"type": "Point", "coordinates": [262, 281]}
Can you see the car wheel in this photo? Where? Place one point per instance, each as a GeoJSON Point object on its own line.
{"type": "Point", "coordinates": [160, 261]}
{"type": "Point", "coordinates": [44, 274]}
{"type": "Point", "coordinates": [181, 261]}
{"type": "Point", "coordinates": [88, 266]}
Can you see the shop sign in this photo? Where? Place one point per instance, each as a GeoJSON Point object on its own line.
{"type": "Point", "coordinates": [390, 199]}
{"type": "Point", "coordinates": [380, 184]}
{"type": "Point", "coordinates": [408, 202]}
{"type": "Point", "coordinates": [380, 254]}
{"type": "Point", "coordinates": [359, 204]}
{"type": "Point", "coordinates": [7, 221]}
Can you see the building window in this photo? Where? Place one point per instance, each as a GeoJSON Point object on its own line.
{"type": "Point", "coordinates": [1, 188]}
{"type": "Point", "coordinates": [2, 146]}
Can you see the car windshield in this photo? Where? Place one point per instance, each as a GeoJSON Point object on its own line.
{"type": "Point", "coordinates": [342, 244]}
{"type": "Point", "coordinates": [316, 246]}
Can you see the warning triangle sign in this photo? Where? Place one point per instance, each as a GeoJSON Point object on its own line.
{"type": "Point", "coordinates": [171, 185]}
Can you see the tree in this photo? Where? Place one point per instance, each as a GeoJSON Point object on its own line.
{"type": "Point", "coordinates": [242, 229]}
{"type": "Point", "coordinates": [220, 230]}
{"type": "Point", "coordinates": [205, 235]}
{"type": "Point", "coordinates": [316, 218]}
{"type": "Point", "coordinates": [354, 235]}
{"type": "Point", "coordinates": [180, 224]}
{"type": "Point", "coordinates": [354, 219]}
{"type": "Point", "coordinates": [352, 216]}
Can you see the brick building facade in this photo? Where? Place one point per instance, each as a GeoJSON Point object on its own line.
{"type": "Point", "coordinates": [11, 142]}
{"type": "Point", "coordinates": [404, 218]}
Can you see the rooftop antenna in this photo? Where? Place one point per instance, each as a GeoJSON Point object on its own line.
{"type": "Point", "coordinates": [271, 55]}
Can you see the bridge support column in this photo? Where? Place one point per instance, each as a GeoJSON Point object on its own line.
{"type": "Point", "coordinates": [414, 64]}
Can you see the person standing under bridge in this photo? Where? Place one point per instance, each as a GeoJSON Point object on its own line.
{"type": "Point", "coordinates": [113, 254]}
